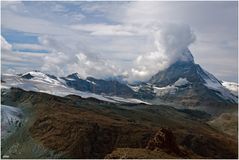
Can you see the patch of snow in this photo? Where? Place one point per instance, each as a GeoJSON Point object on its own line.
{"type": "Point", "coordinates": [161, 91]}
{"type": "Point", "coordinates": [91, 82]}
{"type": "Point", "coordinates": [181, 82]}
{"type": "Point", "coordinates": [231, 86]}
{"type": "Point", "coordinates": [170, 89]}
{"type": "Point", "coordinates": [127, 100]}
{"type": "Point", "coordinates": [35, 74]}
{"type": "Point", "coordinates": [212, 83]}
{"type": "Point", "coordinates": [41, 77]}
{"type": "Point", "coordinates": [11, 119]}
{"type": "Point", "coordinates": [133, 100]}
{"type": "Point", "coordinates": [70, 79]}
{"type": "Point", "coordinates": [27, 87]}
{"type": "Point", "coordinates": [134, 88]}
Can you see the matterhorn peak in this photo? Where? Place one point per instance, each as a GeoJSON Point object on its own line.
{"type": "Point", "coordinates": [186, 56]}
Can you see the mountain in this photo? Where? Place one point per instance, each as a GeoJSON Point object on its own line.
{"type": "Point", "coordinates": [186, 83]}
{"type": "Point", "coordinates": [41, 77]}
{"type": "Point", "coordinates": [75, 127]}
{"type": "Point", "coordinates": [99, 86]}
{"type": "Point", "coordinates": [70, 85]}
{"type": "Point", "coordinates": [45, 116]}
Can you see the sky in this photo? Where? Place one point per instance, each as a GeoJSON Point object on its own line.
{"type": "Point", "coordinates": [132, 39]}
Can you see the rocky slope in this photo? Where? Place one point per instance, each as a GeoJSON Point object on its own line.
{"type": "Point", "coordinates": [98, 86]}
{"type": "Point", "coordinates": [226, 123]}
{"type": "Point", "coordinates": [75, 127]}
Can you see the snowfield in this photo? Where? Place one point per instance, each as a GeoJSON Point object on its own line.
{"type": "Point", "coordinates": [171, 89]}
{"type": "Point", "coordinates": [43, 83]}
{"type": "Point", "coordinates": [11, 119]}
{"type": "Point", "coordinates": [181, 82]}
{"type": "Point", "coordinates": [231, 86]}
{"type": "Point", "coordinates": [40, 82]}
{"type": "Point", "coordinates": [41, 77]}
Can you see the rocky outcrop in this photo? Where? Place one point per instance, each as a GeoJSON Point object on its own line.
{"type": "Point", "coordinates": [164, 139]}
{"type": "Point", "coordinates": [138, 153]}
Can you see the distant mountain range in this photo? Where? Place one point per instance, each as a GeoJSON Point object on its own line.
{"type": "Point", "coordinates": [183, 82]}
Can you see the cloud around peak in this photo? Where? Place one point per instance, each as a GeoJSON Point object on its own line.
{"type": "Point", "coordinates": [134, 39]}
{"type": "Point", "coordinates": [171, 43]}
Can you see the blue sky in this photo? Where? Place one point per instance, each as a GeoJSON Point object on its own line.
{"type": "Point", "coordinates": [135, 39]}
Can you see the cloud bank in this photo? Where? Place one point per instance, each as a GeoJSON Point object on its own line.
{"type": "Point", "coordinates": [133, 39]}
{"type": "Point", "coordinates": [170, 44]}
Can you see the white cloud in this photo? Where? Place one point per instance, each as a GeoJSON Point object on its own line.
{"type": "Point", "coordinates": [79, 63]}
{"type": "Point", "coordinates": [14, 6]}
{"type": "Point", "coordinates": [32, 25]}
{"type": "Point", "coordinates": [110, 30]}
{"type": "Point", "coordinates": [22, 46]}
{"type": "Point", "coordinates": [14, 61]}
{"type": "Point", "coordinates": [5, 46]}
{"type": "Point", "coordinates": [53, 63]}
{"type": "Point", "coordinates": [171, 42]}
{"type": "Point", "coordinates": [58, 8]}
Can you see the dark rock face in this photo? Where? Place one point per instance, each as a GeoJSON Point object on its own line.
{"type": "Point", "coordinates": [112, 87]}
{"type": "Point", "coordinates": [52, 76]}
{"type": "Point", "coordinates": [27, 76]}
{"type": "Point", "coordinates": [99, 86]}
{"type": "Point", "coordinates": [75, 82]}
{"type": "Point", "coordinates": [193, 72]}
{"type": "Point", "coordinates": [145, 92]}
{"type": "Point", "coordinates": [193, 94]}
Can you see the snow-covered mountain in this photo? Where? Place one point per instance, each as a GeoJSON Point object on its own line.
{"type": "Point", "coordinates": [60, 86]}
{"type": "Point", "coordinates": [183, 82]}
{"type": "Point", "coordinates": [187, 83]}
{"type": "Point", "coordinates": [41, 77]}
